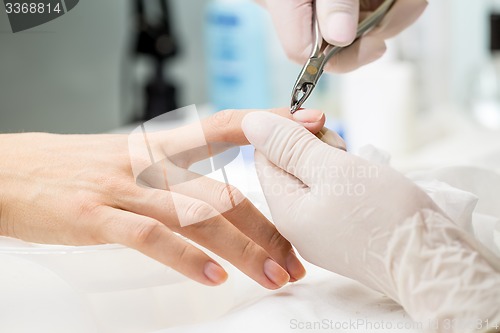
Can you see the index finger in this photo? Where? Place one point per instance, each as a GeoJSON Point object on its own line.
{"type": "Point", "coordinates": [225, 126]}
{"type": "Point", "coordinates": [219, 132]}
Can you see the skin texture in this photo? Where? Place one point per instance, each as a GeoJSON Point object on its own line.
{"type": "Point", "coordinates": [338, 21]}
{"type": "Point", "coordinates": [80, 190]}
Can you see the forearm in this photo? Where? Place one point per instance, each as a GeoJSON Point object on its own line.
{"type": "Point", "coordinates": [1, 205]}
{"type": "Point", "coordinates": [4, 138]}
{"type": "Point", "coordinates": [6, 145]}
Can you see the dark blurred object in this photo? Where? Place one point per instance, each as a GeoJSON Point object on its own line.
{"type": "Point", "coordinates": [494, 32]}
{"type": "Point", "coordinates": [155, 40]}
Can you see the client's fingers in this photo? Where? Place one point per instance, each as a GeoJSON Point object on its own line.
{"type": "Point", "coordinates": [238, 210]}
{"type": "Point", "coordinates": [224, 239]}
{"type": "Point", "coordinates": [155, 240]}
{"type": "Point", "coordinates": [200, 222]}
{"type": "Point", "coordinates": [225, 126]}
{"type": "Point", "coordinates": [221, 131]}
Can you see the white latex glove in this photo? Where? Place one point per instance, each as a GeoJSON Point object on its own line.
{"type": "Point", "coordinates": [368, 222]}
{"type": "Point", "coordinates": [338, 21]}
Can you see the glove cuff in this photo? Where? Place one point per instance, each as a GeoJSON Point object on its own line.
{"type": "Point", "coordinates": [442, 276]}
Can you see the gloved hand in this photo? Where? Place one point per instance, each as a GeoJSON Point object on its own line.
{"type": "Point", "coordinates": [369, 223]}
{"type": "Point", "coordinates": [338, 21]}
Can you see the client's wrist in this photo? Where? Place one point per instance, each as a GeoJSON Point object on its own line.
{"type": "Point", "coordinates": [10, 145]}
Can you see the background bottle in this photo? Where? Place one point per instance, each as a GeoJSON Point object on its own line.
{"type": "Point", "coordinates": [378, 104]}
{"type": "Point", "coordinates": [236, 45]}
{"type": "Point", "coordinates": [486, 85]}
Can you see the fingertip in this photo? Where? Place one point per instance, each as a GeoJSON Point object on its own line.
{"type": "Point", "coordinates": [276, 274]}
{"type": "Point", "coordinates": [312, 120]}
{"type": "Point", "coordinates": [308, 116]}
{"type": "Point", "coordinates": [294, 267]}
{"type": "Point", "coordinates": [215, 273]}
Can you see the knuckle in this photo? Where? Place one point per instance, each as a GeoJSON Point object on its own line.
{"type": "Point", "coordinates": [182, 257]}
{"type": "Point", "coordinates": [87, 204]}
{"type": "Point", "coordinates": [276, 240]}
{"type": "Point", "coordinates": [249, 249]}
{"type": "Point", "coordinates": [197, 211]}
{"type": "Point", "coordinates": [113, 184]}
{"type": "Point", "coordinates": [223, 119]}
{"type": "Point", "coordinates": [145, 233]}
{"type": "Point", "coordinates": [228, 196]}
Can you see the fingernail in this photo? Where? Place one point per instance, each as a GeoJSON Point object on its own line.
{"type": "Point", "coordinates": [341, 28]}
{"type": "Point", "coordinates": [308, 116]}
{"type": "Point", "coordinates": [215, 273]}
{"type": "Point", "coordinates": [294, 267]}
{"type": "Point", "coordinates": [275, 272]}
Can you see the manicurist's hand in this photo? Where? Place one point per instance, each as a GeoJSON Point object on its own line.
{"type": "Point", "coordinates": [368, 222]}
{"type": "Point", "coordinates": [80, 190]}
{"type": "Point", "coordinates": [338, 21]}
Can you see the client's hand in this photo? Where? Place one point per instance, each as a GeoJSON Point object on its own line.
{"type": "Point", "coordinates": [370, 223]}
{"type": "Point", "coordinates": [80, 190]}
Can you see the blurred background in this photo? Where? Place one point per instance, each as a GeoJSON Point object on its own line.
{"type": "Point", "coordinates": [107, 64]}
